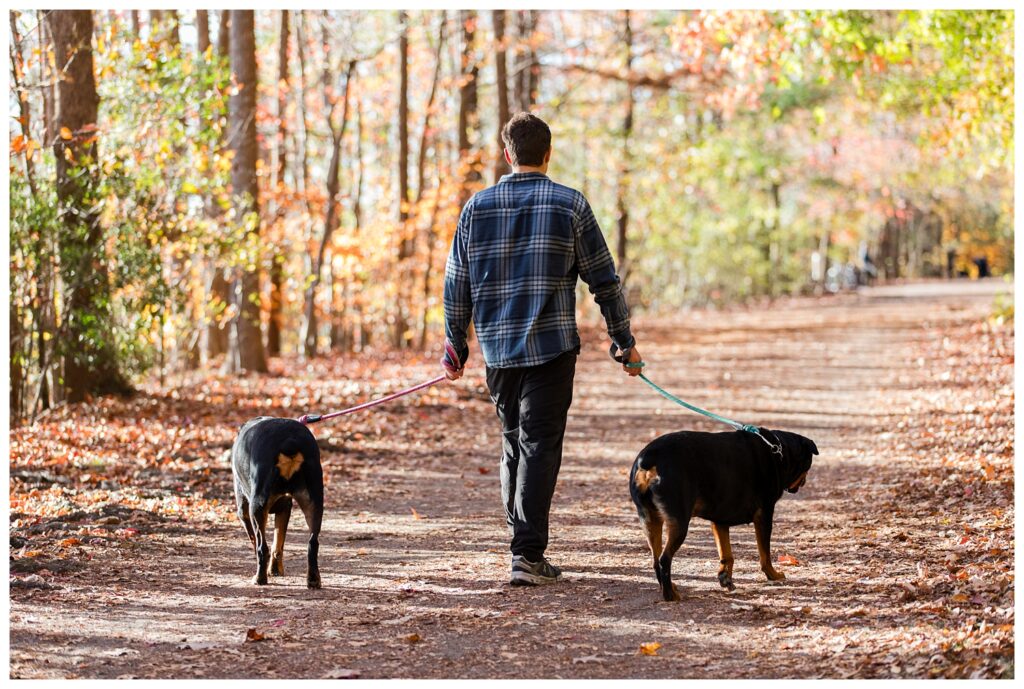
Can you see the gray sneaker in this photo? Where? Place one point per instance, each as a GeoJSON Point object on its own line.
{"type": "Point", "coordinates": [526, 573]}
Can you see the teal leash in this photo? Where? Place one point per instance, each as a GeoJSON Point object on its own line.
{"type": "Point", "coordinates": [749, 428]}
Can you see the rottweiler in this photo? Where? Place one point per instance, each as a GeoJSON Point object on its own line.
{"type": "Point", "coordinates": [727, 478]}
{"type": "Point", "coordinates": [274, 460]}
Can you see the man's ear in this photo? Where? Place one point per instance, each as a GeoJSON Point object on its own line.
{"type": "Point", "coordinates": [547, 156]}
{"type": "Point", "coordinates": [508, 158]}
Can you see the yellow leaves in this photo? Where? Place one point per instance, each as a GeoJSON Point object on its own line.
{"type": "Point", "coordinates": [415, 514]}
{"type": "Point", "coordinates": [66, 134]}
{"type": "Point", "coordinates": [650, 649]}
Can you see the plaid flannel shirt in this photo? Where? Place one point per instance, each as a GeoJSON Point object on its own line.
{"type": "Point", "coordinates": [518, 250]}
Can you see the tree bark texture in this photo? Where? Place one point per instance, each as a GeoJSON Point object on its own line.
{"type": "Point", "coordinates": [245, 188]}
{"type": "Point", "coordinates": [90, 362]}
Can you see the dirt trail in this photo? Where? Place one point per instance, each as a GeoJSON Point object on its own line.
{"type": "Point", "coordinates": [414, 556]}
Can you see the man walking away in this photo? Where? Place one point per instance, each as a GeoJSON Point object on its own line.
{"type": "Point", "coordinates": [518, 250]}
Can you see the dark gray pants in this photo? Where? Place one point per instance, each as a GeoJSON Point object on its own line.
{"type": "Point", "coordinates": [532, 403]}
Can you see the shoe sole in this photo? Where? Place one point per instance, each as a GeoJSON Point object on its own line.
{"type": "Point", "coordinates": [527, 579]}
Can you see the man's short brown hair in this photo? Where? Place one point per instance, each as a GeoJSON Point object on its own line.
{"type": "Point", "coordinates": [527, 138]}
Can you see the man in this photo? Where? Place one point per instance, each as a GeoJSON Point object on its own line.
{"type": "Point", "coordinates": [518, 249]}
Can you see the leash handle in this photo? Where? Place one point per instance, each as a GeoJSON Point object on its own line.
{"type": "Point", "coordinates": [624, 357]}
{"type": "Point", "coordinates": [450, 360]}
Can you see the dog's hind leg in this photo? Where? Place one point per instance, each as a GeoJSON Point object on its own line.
{"type": "Point", "coordinates": [313, 511]}
{"type": "Point", "coordinates": [258, 516]}
{"type": "Point", "coordinates": [652, 521]}
{"type": "Point", "coordinates": [676, 535]}
{"type": "Point", "coordinates": [763, 533]}
{"type": "Point", "coordinates": [282, 511]}
{"type": "Point", "coordinates": [243, 516]}
{"type": "Point", "coordinates": [724, 556]}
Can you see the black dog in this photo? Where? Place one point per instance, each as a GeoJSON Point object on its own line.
{"type": "Point", "coordinates": [726, 478]}
{"type": "Point", "coordinates": [273, 461]}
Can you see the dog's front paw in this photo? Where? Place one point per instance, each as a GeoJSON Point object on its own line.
{"type": "Point", "coordinates": [725, 581]}
{"type": "Point", "coordinates": [277, 567]}
{"type": "Point", "coordinates": [313, 582]}
{"type": "Point", "coordinates": [672, 594]}
{"type": "Point", "coordinates": [260, 580]}
{"type": "Point", "coordinates": [774, 575]}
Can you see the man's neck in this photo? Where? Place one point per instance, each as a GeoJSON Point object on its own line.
{"type": "Point", "coordinates": [529, 168]}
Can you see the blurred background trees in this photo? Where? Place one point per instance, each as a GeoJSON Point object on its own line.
{"type": "Point", "coordinates": [238, 185]}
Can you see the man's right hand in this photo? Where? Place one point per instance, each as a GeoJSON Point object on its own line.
{"type": "Point", "coordinates": [634, 358]}
{"type": "Point", "coordinates": [452, 374]}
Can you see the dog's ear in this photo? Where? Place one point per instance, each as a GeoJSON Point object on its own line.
{"type": "Point", "coordinates": [811, 446]}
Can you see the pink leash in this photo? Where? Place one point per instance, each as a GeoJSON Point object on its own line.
{"type": "Point", "coordinates": [449, 351]}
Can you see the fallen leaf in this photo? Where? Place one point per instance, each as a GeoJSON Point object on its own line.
{"type": "Point", "coordinates": [413, 638]}
{"type": "Point", "coordinates": [650, 649]}
{"type": "Point", "coordinates": [415, 514]}
{"type": "Point", "coordinates": [343, 673]}
{"type": "Point", "coordinates": [788, 560]}
{"type": "Point", "coordinates": [252, 635]}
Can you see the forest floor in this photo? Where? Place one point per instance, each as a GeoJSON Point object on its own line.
{"type": "Point", "coordinates": [127, 559]}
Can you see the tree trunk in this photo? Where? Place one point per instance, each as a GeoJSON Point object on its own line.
{"type": "Point", "coordinates": [224, 34]}
{"type": "Point", "coordinates": [527, 72]}
{"type": "Point", "coordinates": [203, 30]}
{"type": "Point", "coordinates": [624, 170]}
{"type": "Point", "coordinates": [278, 260]}
{"type": "Point", "coordinates": [18, 334]}
{"type": "Point", "coordinates": [216, 333]}
{"type": "Point", "coordinates": [428, 112]}
{"type": "Point", "coordinates": [248, 338]}
{"type": "Point", "coordinates": [49, 82]}
{"type": "Point", "coordinates": [136, 24]}
{"type": "Point", "coordinates": [357, 202]}
{"type": "Point", "coordinates": [300, 97]}
{"type": "Point", "coordinates": [24, 110]}
{"type": "Point", "coordinates": [429, 268]}
{"type": "Point", "coordinates": [406, 243]}
{"type": "Point", "coordinates": [500, 166]}
{"type": "Point", "coordinates": [330, 218]}
{"type": "Point", "coordinates": [469, 164]}
{"type": "Point", "coordinates": [90, 365]}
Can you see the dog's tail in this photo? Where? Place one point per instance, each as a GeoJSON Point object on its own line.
{"type": "Point", "coordinates": [645, 479]}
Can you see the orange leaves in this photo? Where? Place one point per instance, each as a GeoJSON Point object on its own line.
{"type": "Point", "coordinates": [787, 560]}
{"type": "Point", "coordinates": [252, 636]}
{"type": "Point", "coordinates": [66, 134]}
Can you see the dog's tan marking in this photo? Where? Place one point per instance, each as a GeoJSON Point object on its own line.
{"type": "Point", "coordinates": [725, 558]}
{"type": "Point", "coordinates": [644, 477]}
{"type": "Point", "coordinates": [288, 465]}
{"type": "Point", "coordinates": [800, 480]}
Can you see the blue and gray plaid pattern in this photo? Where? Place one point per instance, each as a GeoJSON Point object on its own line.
{"type": "Point", "coordinates": [518, 250]}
